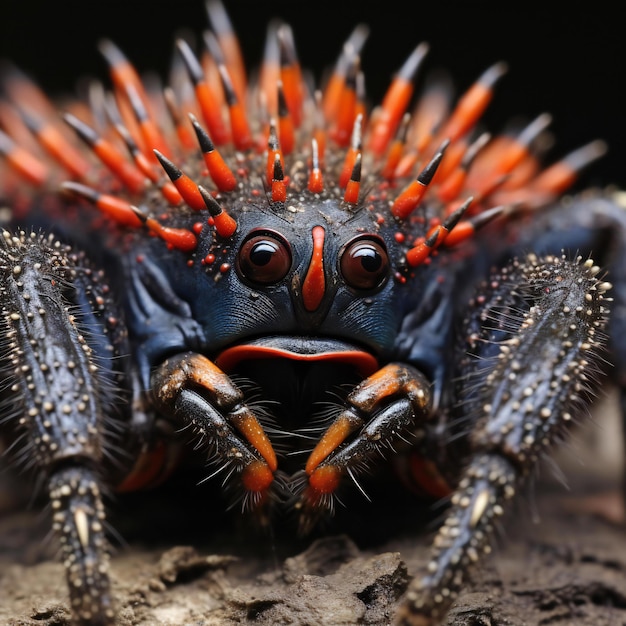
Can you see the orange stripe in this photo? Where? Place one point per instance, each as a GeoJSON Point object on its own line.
{"type": "Point", "coordinates": [313, 286]}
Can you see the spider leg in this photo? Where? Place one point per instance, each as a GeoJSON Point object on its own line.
{"type": "Point", "coordinates": [57, 363]}
{"type": "Point", "coordinates": [534, 346]}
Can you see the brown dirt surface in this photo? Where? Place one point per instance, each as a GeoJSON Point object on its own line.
{"type": "Point", "coordinates": [557, 562]}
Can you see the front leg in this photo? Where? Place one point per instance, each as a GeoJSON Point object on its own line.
{"type": "Point", "coordinates": [383, 408]}
{"type": "Point", "coordinates": [59, 387]}
{"type": "Point", "coordinates": [534, 347]}
{"type": "Point", "coordinates": [197, 394]}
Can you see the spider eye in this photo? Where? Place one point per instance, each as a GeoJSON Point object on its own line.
{"type": "Point", "coordinates": [364, 263]}
{"type": "Point", "coordinates": [264, 258]}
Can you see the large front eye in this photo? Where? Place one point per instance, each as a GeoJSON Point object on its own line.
{"type": "Point", "coordinates": [364, 263]}
{"type": "Point", "coordinates": [264, 258]}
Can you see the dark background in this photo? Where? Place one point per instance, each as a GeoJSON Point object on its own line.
{"type": "Point", "coordinates": [570, 62]}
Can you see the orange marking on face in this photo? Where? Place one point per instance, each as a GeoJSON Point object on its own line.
{"type": "Point", "coordinates": [314, 285]}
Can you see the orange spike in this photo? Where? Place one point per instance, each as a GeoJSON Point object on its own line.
{"type": "Point", "coordinates": [316, 181]}
{"type": "Point", "coordinates": [356, 146]}
{"type": "Point", "coordinates": [225, 225]}
{"type": "Point", "coordinates": [110, 156]}
{"type": "Point", "coordinates": [361, 105]}
{"type": "Point", "coordinates": [150, 132]}
{"type": "Point", "coordinates": [396, 149]}
{"type": "Point", "coordinates": [346, 107]}
{"type": "Point", "coordinates": [117, 209]}
{"type": "Point", "coordinates": [57, 146]}
{"type": "Point", "coordinates": [286, 131]}
{"type": "Point", "coordinates": [270, 68]}
{"type": "Point", "coordinates": [560, 176]}
{"type": "Point", "coordinates": [211, 112]}
{"type": "Point", "coordinates": [178, 238]}
{"type": "Point", "coordinates": [187, 188]}
{"type": "Point", "coordinates": [396, 101]}
{"type": "Point", "coordinates": [182, 130]}
{"type": "Point", "coordinates": [410, 197]}
{"type": "Point", "coordinates": [279, 189]}
{"type": "Point", "coordinates": [418, 254]}
{"type": "Point", "coordinates": [219, 172]}
{"type": "Point", "coordinates": [123, 74]}
{"type": "Point", "coordinates": [406, 164]}
{"type": "Point", "coordinates": [170, 193]}
{"type": "Point", "coordinates": [229, 45]}
{"type": "Point", "coordinates": [472, 105]}
{"type": "Point", "coordinates": [238, 120]}
{"type": "Point", "coordinates": [454, 155]}
{"type": "Point", "coordinates": [431, 110]}
{"type": "Point", "coordinates": [273, 150]}
{"type": "Point", "coordinates": [465, 229]}
{"type": "Point", "coordinates": [16, 129]}
{"type": "Point", "coordinates": [210, 59]}
{"type": "Point", "coordinates": [290, 74]}
{"type": "Point", "coordinates": [351, 196]}
{"type": "Point", "coordinates": [28, 166]}
{"type": "Point", "coordinates": [518, 149]}
{"type": "Point", "coordinates": [452, 185]}
{"type": "Point", "coordinates": [334, 87]}
{"type": "Point", "coordinates": [319, 132]}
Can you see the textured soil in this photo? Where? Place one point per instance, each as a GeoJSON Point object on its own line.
{"type": "Point", "coordinates": [558, 562]}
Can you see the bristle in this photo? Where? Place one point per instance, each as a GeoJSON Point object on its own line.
{"type": "Point", "coordinates": [396, 101]}
{"type": "Point", "coordinates": [110, 156]}
{"type": "Point", "coordinates": [229, 46]}
{"type": "Point", "coordinates": [239, 127]}
{"type": "Point", "coordinates": [351, 49]}
{"type": "Point", "coordinates": [353, 187]}
{"type": "Point", "coordinates": [209, 109]}
{"type": "Point", "coordinates": [279, 188]}
{"type": "Point", "coordinates": [346, 109]}
{"type": "Point", "coordinates": [182, 129]}
{"type": "Point", "coordinates": [225, 224]}
{"type": "Point", "coordinates": [394, 154]}
{"type": "Point", "coordinates": [411, 196]}
{"type": "Point", "coordinates": [319, 127]}
{"type": "Point", "coordinates": [420, 253]}
{"type": "Point", "coordinates": [57, 146]}
{"type": "Point", "coordinates": [286, 133]}
{"type": "Point", "coordinates": [149, 129]}
{"type": "Point", "coordinates": [186, 187]}
{"type": "Point", "coordinates": [269, 73]}
{"type": "Point", "coordinates": [290, 74]}
{"type": "Point", "coordinates": [273, 151]}
{"type": "Point", "coordinates": [472, 105]}
{"type": "Point", "coordinates": [113, 207]}
{"type": "Point", "coordinates": [316, 180]}
{"type": "Point", "coordinates": [356, 146]}
{"type": "Point", "coordinates": [219, 171]}
{"type": "Point", "coordinates": [178, 238]}
{"type": "Point", "coordinates": [24, 163]}
{"type": "Point", "coordinates": [559, 177]}
{"type": "Point", "coordinates": [451, 187]}
{"type": "Point", "coordinates": [465, 229]}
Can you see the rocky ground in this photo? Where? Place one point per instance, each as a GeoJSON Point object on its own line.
{"type": "Point", "coordinates": [558, 562]}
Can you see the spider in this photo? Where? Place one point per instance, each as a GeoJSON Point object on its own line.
{"type": "Point", "coordinates": [301, 288]}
